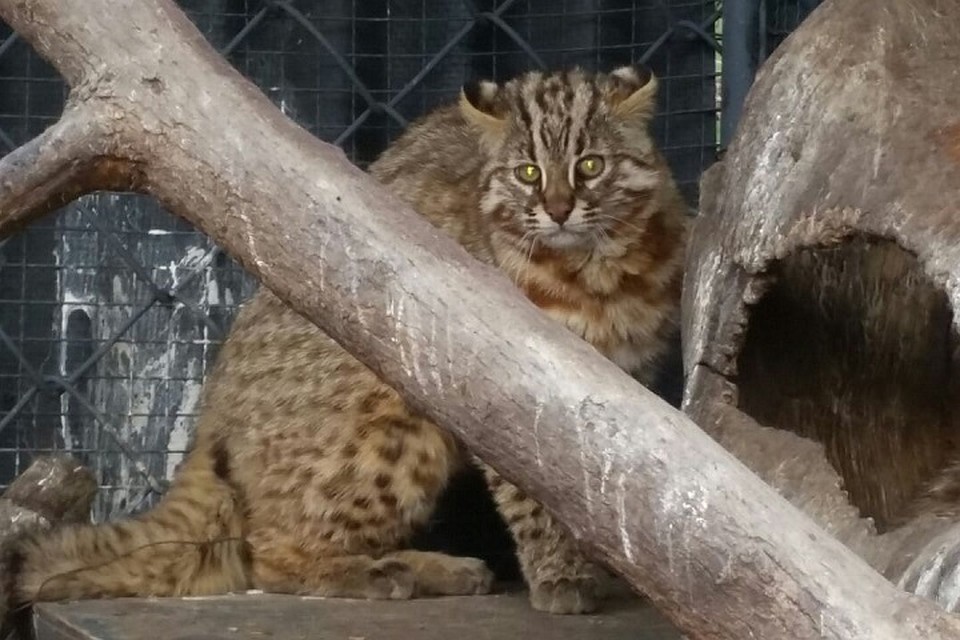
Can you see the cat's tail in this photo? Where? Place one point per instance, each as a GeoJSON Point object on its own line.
{"type": "Point", "coordinates": [189, 544]}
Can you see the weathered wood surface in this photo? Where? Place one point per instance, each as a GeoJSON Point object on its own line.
{"type": "Point", "coordinates": [846, 165]}
{"type": "Point", "coordinates": [648, 493]}
{"type": "Point", "coordinates": [52, 490]}
{"type": "Point", "coordinates": [254, 617]}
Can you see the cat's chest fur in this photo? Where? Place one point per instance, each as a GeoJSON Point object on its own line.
{"type": "Point", "coordinates": [617, 309]}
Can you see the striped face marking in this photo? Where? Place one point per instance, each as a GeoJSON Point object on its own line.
{"type": "Point", "coordinates": [572, 168]}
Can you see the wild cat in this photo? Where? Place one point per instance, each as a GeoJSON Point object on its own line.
{"type": "Point", "coordinates": [308, 474]}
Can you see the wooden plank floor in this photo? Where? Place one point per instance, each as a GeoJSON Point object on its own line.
{"type": "Point", "coordinates": [258, 617]}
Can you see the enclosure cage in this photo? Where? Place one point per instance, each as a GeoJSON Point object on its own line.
{"type": "Point", "coordinates": [111, 309]}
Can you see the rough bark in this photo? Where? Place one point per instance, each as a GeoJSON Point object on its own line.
{"type": "Point", "coordinates": [52, 490]}
{"type": "Point", "coordinates": [31, 182]}
{"type": "Point", "coordinates": [647, 491]}
{"type": "Point", "coordinates": [833, 218]}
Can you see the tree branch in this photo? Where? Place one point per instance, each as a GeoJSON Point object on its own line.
{"type": "Point", "coordinates": [647, 491]}
{"type": "Point", "coordinates": [68, 160]}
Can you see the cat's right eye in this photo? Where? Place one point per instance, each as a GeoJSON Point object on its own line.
{"type": "Point", "coordinates": [528, 173]}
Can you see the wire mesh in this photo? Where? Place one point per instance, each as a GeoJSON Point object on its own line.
{"type": "Point", "coordinates": [111, 310]}
{"type": "Point", "coordinates": [780, 18]}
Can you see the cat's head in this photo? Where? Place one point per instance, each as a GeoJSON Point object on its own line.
{"type": "Point", "coordinates": [571, 163]}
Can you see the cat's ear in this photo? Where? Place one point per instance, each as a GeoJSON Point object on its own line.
{"type": "Point", "coordinates": [633, 93]}
{"type": "Point", "coordinates": [479, 106]}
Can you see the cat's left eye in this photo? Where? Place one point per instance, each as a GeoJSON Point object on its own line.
{"type": "Point", "coordinates": [528, 173]}
{"type": "Point", "coordinates": [590, 166]}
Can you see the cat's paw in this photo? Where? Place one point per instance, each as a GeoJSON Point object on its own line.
{"type": "Point", "coordinates": [442, 575]}
{"type": "Point", "coordinates": [468, 576]}
{"type": "Point", "coordinates": [565, 596]}
{"type": "Point", "coordinates": [391, 580]}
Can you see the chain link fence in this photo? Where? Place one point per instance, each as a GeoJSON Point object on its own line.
{"type": "Point", "coordinates": [111, 309]}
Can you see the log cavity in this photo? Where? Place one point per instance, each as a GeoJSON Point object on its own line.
{"type": "Point", "coordinates": [852, 345]}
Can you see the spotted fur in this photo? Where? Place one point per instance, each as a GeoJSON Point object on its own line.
{"type": "Point", "coordinates": [308, 474]}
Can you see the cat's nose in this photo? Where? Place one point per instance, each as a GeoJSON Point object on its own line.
{"type": "Point", "coordinates": [558, 209]}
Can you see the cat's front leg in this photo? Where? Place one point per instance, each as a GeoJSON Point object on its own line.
{"type": "Point", "coordinates": [561, 580]}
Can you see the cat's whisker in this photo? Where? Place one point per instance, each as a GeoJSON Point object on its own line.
{"type": "Point", "coordinates": [529, 258]}
{"type": "Point", "coordinates": [520, 267]}
{"type": "Point", "coordinates": [600, 234]}
{"type": "Point", "coordinates": [607, 216]}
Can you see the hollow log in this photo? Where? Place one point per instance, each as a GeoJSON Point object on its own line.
{"type": "Point", "coordinates": [647, 492]}
{"type": "Point", "coordinates": [820, 322]}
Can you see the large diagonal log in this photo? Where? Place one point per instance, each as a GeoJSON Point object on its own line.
{"type": "Point", "coordinates": [722, 554]}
